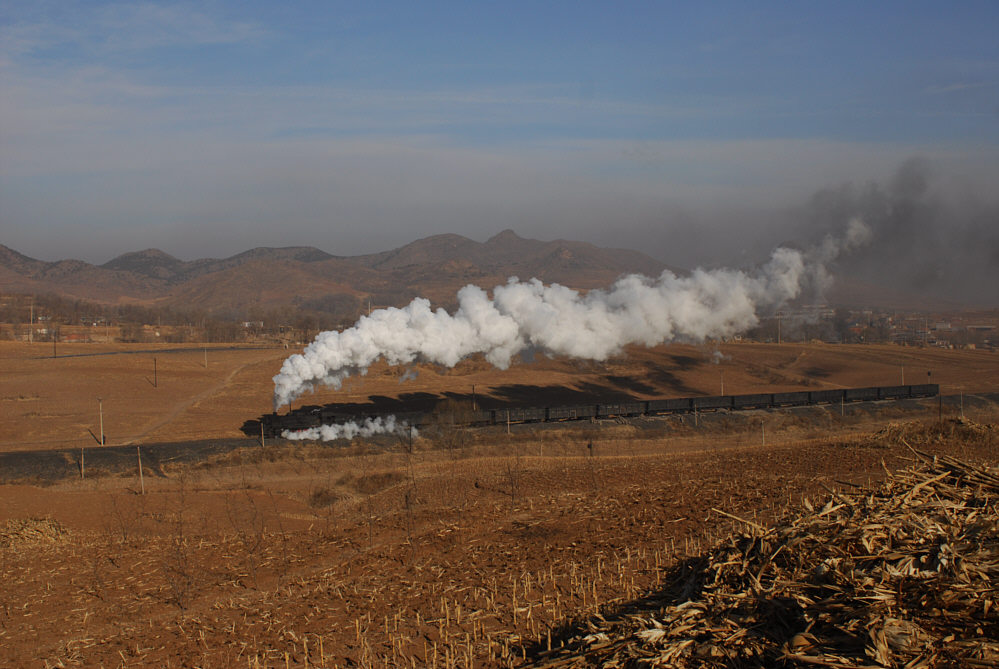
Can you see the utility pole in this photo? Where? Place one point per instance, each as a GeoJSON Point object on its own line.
{"type": "Point", "coordinates": [100, 410]}
{"type": "Point", "coordinates": [939, 399]}
{"type": "Point", "coordinates": [142, 481]}
{"type": "Point", "coordinates": [31, 328]}
{"type": "Point", "coordinates": [722, 374]}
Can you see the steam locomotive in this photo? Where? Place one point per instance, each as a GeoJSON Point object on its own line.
{"type": "Point", "coordinates": [273, 424]}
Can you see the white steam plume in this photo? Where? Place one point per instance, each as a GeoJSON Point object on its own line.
{"type": "Point", "coordinates": [368, 428]}
{"type": "Point", "coordinates": [523, 315]}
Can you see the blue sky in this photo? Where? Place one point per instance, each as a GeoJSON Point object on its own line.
{"type": "Point", "coordinates": [687, 130]}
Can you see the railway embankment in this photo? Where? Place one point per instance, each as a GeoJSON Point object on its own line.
{"type": "Point", "coordinates": [51, 466]}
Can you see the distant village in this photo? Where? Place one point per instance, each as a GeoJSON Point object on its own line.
{"type": "Point", "coordinates": [957, 329]}
{"type": "Point", "coordinates": [41, 319]}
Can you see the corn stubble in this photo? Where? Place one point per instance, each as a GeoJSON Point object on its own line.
{"type": "Point", "coordinates": [897, 576]}
{"type": "Point", "coordinates": [580, 557]}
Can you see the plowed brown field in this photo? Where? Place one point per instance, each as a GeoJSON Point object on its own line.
{"type": "Point", "coordinates": [367, 555]}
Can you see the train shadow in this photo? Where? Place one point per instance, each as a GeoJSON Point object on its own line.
{"type": "Point", "coordinates": [521, 395]}
{"type": "Point", "coordinates": [663, 377]}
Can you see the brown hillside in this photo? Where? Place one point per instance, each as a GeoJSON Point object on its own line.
{"type": "Point", "coordinates": [435, 267]}
{"type": "Point", "coordinates": [577, 264]}
{"type": "Point", "coordinates": [269, 283]}
{"type": "Point", "coordinates": [271, 277]}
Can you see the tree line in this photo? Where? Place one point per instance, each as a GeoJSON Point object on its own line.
{"type": "Point", "coordinates": [301, 319]}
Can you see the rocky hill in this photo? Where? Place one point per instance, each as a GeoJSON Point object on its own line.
{"type": "Point", "coordinates": [435, 267]}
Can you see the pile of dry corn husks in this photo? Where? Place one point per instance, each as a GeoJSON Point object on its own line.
{"type": "Point", "coordinates": [902, 576]}
{"type": "Point", "coordinates": [18, 531]}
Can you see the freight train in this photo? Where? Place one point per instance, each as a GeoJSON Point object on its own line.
{"type": "Point", "coordinates": [273, 424]}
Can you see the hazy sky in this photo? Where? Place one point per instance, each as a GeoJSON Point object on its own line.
{"type": "Point", "coordinates": [691, 131]}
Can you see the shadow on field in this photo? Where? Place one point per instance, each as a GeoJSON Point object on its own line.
{"type": "Point", "coordinates": [48, 467]}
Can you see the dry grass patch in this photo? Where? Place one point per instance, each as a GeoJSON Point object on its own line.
{"type": "Point", "coordinates": [18, 532]}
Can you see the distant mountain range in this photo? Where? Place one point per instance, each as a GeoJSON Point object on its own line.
{"type": "Point", "coordinates": [434, 267]}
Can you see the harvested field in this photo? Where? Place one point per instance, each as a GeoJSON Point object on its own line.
{"type": "Point", "coordinates": [377, 554]}
{"type": "Point", "coordinates": [375, 557]}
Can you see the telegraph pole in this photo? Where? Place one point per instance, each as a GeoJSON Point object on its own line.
{"type": "Point", "coordinates": [100, 410]}
{"type": "Point", "coordinates": [939, 398]}
{"type": "Point", "coordinates": [142, 481]}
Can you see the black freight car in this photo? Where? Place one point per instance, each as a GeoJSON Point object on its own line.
{"type": "Point", "coordinates": [790, 399]}
{"type": "Point", "coordinates": [893, 392]}
{"type": "Point", "coordinates": [825, 396]}
{"type": "Point", "coordinates": [753, 401]}
{"type": "Point", "coordinates": [579, 412]}
{"type": "Point", "coordinates": [860, 394]}
{"type": "Point", "coordinates": [673, 405]}
{"type": "Point", "coordinates": [713, 402]}
{"type": "Point", "coordinates": [519, 415]}
{"type": "Point", "coordinates": [621, 409]}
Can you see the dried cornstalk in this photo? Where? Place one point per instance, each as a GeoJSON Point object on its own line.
{"type": "Point", "coordinates": [901, 575]}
